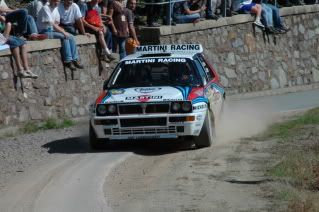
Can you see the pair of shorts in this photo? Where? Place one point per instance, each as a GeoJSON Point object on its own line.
{"type": "Point", "coordinates": [247, 7]}
{"type": "Point", "coordinates": [15, 42]}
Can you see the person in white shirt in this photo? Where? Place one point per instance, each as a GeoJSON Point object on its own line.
{"type": "Point", "coordinates": [71, 17]}
{"type": "Point", "coordinates": [48, 23]}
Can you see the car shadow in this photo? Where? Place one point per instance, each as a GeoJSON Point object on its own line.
{"type": "Point", "coordinates": [78, 145]}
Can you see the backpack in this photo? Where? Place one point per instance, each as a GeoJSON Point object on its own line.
{"type": "Point", "coordinates": [93, 18]}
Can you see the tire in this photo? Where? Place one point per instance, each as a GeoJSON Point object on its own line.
{"type": "Point", "coordinates": [207, 133]}
{"type": "Point", "coordinates": [95, 143]}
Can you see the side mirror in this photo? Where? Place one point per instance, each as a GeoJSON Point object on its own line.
{"type": "Point", "coordinates": [105, 84]}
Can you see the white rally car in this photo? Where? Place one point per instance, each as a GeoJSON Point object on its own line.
{"type": "Point", "coordinates": [160, 92]}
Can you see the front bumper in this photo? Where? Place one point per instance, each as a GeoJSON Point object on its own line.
{"type": "Point", "coordinates": [169, 126]}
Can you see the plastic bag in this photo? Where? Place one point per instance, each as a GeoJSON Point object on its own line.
{"type": "Point", "coordinates": [130, 46]}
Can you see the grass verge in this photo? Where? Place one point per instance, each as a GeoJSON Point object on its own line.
{"type": "Point", "coordinates": [50, 123]}
{"type": "Point", "coordinates": [297, 170]}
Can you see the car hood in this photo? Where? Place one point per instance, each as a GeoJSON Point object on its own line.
{"type": "Point", "coordinates": [145, 94]}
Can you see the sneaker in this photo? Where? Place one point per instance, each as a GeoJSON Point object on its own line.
{"type": "Point", "coordinates": [70, 66]}
{"type": "Point", "coordinates": [38, 37]}
{"type": "Point", "coordinates": [285, 27]}
{"type": "Point", "coordinates": [259, 24]}
{"type": "Point", "coordinates": [31, 74]}
{"type": "Point", "coordinates": [23, 74]}
{"type": "Point", "coordinates": [77, 64]}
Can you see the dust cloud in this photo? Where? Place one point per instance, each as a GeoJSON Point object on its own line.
{"type": "Point", "coordinates": [243, 119]}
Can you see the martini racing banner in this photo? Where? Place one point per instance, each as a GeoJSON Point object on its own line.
{"type": "Point", "coordinates": [189, 48]}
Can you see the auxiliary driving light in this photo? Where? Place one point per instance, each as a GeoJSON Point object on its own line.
{"type": "Point", "coordinates": [111, 109]}
{"type": "Point", "coordinates": [186, 107]}
{"type": "Point", "coordinates": [101, 110]}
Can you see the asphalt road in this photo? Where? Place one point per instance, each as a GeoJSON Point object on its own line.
{"type": "Point", "coordinates": [74, 182]}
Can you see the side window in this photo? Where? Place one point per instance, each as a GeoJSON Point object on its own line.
{"type": "Point", "coordinates": [201, 71]}
{"type": "Point", "coordinates": [208, 72]}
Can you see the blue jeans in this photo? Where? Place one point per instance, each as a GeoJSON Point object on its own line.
{"type": "Point", "coordinates": [19, 17]}
{"type": "Point", "coordinates": [69, 49]}
{"type": "Point", "coordinates": [108, 38]}
{"type": "Point", "coordinates": [211, 6]}
{"type": "Point", "coordinates": [31, 26]}
{"type": "Point", "coordinates": [270, 14]}
{"type": "Point", "coordinates": [117, 41]}
{"type": "Point", "coordinates": [180, 19]}
{"type": "Point", "coordinates": [266, 14]}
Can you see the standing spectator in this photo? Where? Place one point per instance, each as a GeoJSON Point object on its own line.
{"type": "Point", "coordinates": [19, 52]}
{"type": "Point", "coordinates": [48, 23]}
{"type": "Point", "coordinates": [247, 6]}
{"type": "Point", "coordinates": [183, 13]}
{"type": "Point", "coordinates": [120, 29]}
{"type": "Point", "coordinates": [132, 41]}
{"type": "Point", "coordinates": [131, 5]}
{"type": "Point", "coordinates": [71, 17]}
{"type": "Point", "coordinates": [93, 24]}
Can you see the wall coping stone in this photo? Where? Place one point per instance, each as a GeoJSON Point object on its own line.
{"type": "Point", "coordinates": [52, 44]}
{"type": "Point", "coordinates": [237, 19]}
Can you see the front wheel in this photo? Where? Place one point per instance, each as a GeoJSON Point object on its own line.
{"type": "Point", "coordinates": [207, 133]}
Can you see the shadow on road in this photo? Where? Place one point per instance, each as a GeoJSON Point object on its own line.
{"type": "Point", "coordinates": [77, 145]}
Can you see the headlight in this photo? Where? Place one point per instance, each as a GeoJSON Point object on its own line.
{"type": "Point", "coordinates": [176, 106]}
{"type": "Point", "coordinates": [186, 107]}
{"type": "Point", "coordinates": [181, 107]}
{"type": "Point", "coordinates": [101, 110]}
{"type": "Point", "coordinates": [111, 109]}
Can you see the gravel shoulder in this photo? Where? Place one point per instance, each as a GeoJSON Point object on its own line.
{"type": "Point", "coordinates": [22, 154]}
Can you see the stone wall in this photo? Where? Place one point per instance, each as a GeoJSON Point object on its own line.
{"type": "Point", "coordinates": [245, 61]}
{"type": "Point", "coordinates": [58, 92]}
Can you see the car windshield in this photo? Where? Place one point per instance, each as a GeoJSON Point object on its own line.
{"type": "Point", "coordinates": [154, 72]}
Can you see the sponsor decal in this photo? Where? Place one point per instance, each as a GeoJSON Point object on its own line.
{"type": "Point", "coordinates": [143, 98]}
{"type": "Point", "coordinates": [146, 90]}
{"type": "Point", "coordinates": [117, 91]}
{"type": "Point", "coordinates": [199, 107]}
{"type": "Point", "coordinates": [169, 48]}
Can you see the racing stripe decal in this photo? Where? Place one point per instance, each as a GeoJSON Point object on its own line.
{"type": "Point", "coordinates": [217, 87]}
{"type": "Point", "coordinates": [106, 97]}
{"type": "Point", "coordinates": [184, 90]}
{"type": "Point", "coordinates": [199, 99]}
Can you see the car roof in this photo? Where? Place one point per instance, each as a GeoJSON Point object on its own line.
{"type": "Point", "coordinates": [166, 51]}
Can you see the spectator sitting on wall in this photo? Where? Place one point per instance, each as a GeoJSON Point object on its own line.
{"type": "Point", "coordinates": [107, 20]}
{"type": "Point", "coordinates": [247, 6]}
{"type": "Point", "coordinates": [19, 52]}
{"type": "Point", "coordinates": [153, 12]}
{"type": "Point", "coordinates": [93, 24]}
{"type": "Point", "coordinates": [25, 24]}
{"type": "Point", "coordinates": [71, 17]}
{"type": "Point", "coordinates": [211, 7]}
{"type": "Point", "coordinates": [272, 20]}
{"type": "Point", "coordinates": [34, 7]}
{"type": "Point", "coordinates": [119, 24]}
{"type": "Point", "coordinates": [183, 14]}
{"type": "Point", "coordinates": [48, 23]}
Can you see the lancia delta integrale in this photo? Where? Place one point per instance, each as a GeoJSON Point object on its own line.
{"type": "Point", "coordinates": [160, 92]}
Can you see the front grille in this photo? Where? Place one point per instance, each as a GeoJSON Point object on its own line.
{"type": "Point", "coordinates": [143, 108]}
{"type": "Point", "coordinates": [138, 122]}
{"type": "Point", "coordinates": [157, 108]}
{"type": "Point", "coordinates": [130, 109]}
{"type": "Point", "coordinates": [144, 131]}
